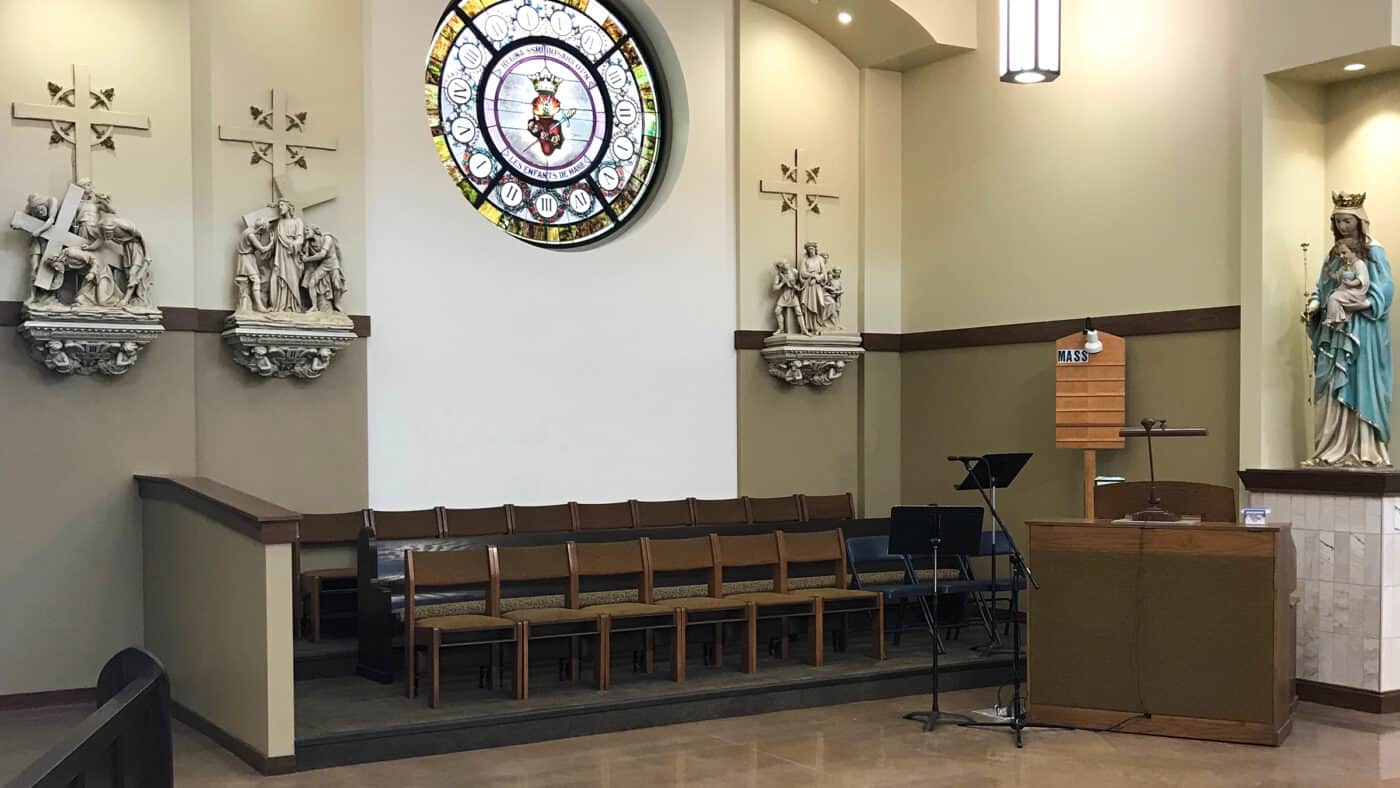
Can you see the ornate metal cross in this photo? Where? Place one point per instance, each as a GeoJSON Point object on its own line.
{"type": "Point", "coordinates": [279, 138]}
{"type": "Point", "coordinates": [81, 117]}
{"type": "Point", "coordinates": [799, 186]}
{"type": "Point", "coordinates": [58, 234]}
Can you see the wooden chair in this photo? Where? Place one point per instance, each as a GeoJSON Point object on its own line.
{"type": "Point", "coordinates": [767, 550]}
{"type": "Point", "coordinates": [605, 516]}
{"type": "Point", "coordinates": [828, 507]}
{"type": "Point", "coordinates": [542, 519]}
{"type": "Point", "coordinates": [491, 521]}
{"type": "Point", "coordinates": [725, 511]}
{"type": "Point", "coordinates": [691, 555]}
{"type": "Point", "coordinates": [408, 524]}
{"type": "Point", "coordinates": [663, 514]}
{"type": "Point", "coordinates": [1212, 502]}
{"type": "Point", "coordinates": [454, 568]}
{"type": "Point", "coordinates": [829, 548]}
{"type": "Point", "coordinates": [785, 509]}
{"type": "Point", "coordinates": [617, 559]}
{"type": "Point", "coordinates": [551, 563]}
{"type": "Point", "coordinates": [312, 585]}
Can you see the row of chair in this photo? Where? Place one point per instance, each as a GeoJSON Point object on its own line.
{"type": "Point", "coordinates": [343, 528]}
{"type": "Point", "coordinates": [657, 606]}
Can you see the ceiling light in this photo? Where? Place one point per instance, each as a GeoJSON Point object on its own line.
{"type": "Point", "coordinates": [1354, 67]}
{"type": "Point", "coordinates": [844, 17]}
{"type": "Point", "coordinates": [1030, 40]}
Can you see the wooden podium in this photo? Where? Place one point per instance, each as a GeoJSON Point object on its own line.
{"type": "Point", "coordinates": [1170, 630]}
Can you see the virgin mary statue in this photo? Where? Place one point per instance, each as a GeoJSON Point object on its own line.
{"type": "Point", "coordinates": [1351, 350]}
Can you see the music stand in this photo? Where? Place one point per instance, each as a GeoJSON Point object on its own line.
{"type": "Point", "coordinates": [921, 531]}
{"type": "Point", "coordinates": [991, 472]}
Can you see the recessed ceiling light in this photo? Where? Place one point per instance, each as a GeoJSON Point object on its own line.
{"type": "Point", "coordinates": [1354, 67]}
{"type": "Point", "coordinates": [844, 17]}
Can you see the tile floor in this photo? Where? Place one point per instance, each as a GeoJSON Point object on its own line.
{"type": "Point", "coordinates": [860, 744]}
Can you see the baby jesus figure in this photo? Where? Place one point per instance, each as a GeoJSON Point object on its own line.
{"type": "Point", "coordinates": [1353, 284]}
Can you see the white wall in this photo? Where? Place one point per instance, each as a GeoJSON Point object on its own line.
{"type": "Point", "coordinates": [499, 372]}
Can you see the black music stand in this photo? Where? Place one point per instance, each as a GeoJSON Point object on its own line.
{"type": "Point", "coordinates": [921, 531]}
{"type": "Point", "coordinates": [992, 472]}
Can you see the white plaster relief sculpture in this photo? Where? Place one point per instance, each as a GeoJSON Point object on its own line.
{"type": "Point", "coordinates": [810, 296]}
{"type": "Point", "coordinates": [89, 308]}
{"type": "Point", "coordinates": [290, 289]}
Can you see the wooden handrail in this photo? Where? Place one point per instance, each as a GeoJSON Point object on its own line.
{"type": "Point", "coordinates": [251, 516]}
{"type": "Point", "coordinates": [127, 740]}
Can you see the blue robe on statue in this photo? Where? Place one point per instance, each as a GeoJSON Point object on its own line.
{"type": "Point", "coordinates": [1352, 362]}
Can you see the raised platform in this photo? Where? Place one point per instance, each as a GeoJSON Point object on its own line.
{"type": "Point", "coordinates": [347, 719]}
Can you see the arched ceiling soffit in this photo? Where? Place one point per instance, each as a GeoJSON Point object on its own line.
{"type": "Point", "coordinates": [890, 34]}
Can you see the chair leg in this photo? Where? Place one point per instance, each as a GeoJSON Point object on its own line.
{"type": "Point", "coordinates": [409, 657]}
{"type": "Point", "coordinates": [436, 665]}
{"type": "Point", "coordinates": [574, 658]}
{"type": "Point", "coordinates": [315, 609]}
{"type": "Point", "coordinates": [600, 663]}
{"type": "Point", "coordinates": [816, 643]}
{"type": "Point", "coordinates": [877, 631]}
{"type": "Point", "coordinates": [751, 638]}
{"type": "Point", "coordinates": [493, 674]}
{"type": "Point", "coordinates": [898, 621]}
{"type": "Point", "coordinates": [522, 660]}
{"type": "Point", "coordinates": [783, 640]}
{"type": "Point", "coordinates": [719, 645]}
{"type": "Point", "coordinates": [678, 648]}
{"type": "Point", "coordinates": [649, 643]}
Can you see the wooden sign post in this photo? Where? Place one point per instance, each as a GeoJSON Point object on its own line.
{"type": "Point", "coordinates": [1090, 401]}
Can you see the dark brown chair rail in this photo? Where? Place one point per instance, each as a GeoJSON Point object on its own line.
{"type": "Point", "coordinates": [255, 518]}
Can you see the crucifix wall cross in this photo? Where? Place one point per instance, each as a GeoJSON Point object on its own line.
{"type": "Point", "coordinates": [279, 139]}
{"type": "Point", "coordinates": [801, 192]}
{"type": "Point", "coordinates": [81, 117]}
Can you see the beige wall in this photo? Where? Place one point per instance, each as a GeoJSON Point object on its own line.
{"type": "Point", "coordinates": [219, 617]}
{"type": "Point", "coordinates": [1113, 190]}
{"type": "Point", "coordinates": [1001, 399]}
{"type": "Point", "coordinates": [72, 514]}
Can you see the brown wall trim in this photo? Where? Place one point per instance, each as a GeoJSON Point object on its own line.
{"type": "Point", "coordinates": [1348, 697]}
{"type": "Point", "coordinates": [182, 318]}
{"type": "Point", "coordinates": [253, 517]}
{"type": "Point", "coordinates": [1179, 321]}
{"type": "Point", "coordinates": [38, 700]}
{"type": "Point", "coordinates": [1322, 480]}
{"type": "Point", "coordinates": [285, 764]}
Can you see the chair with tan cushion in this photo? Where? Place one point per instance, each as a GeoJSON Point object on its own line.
{"type": "Point", "coordinates": [663, 514]}
{"type": "Point", "coordinates": [549, 563]}
{"type": "Point", "coordinates": [696, 604]}
{"type": "Point", "coordinates": [405, 524]}
{"type": "Point", "coordinates": [828, 549]}
{"type": "Point", "coordinates": [556, 518]}
{"type": "Point", "coordinates": [455, 569]}
{"type": "Point", "coordinates": [489, 521]}
{"type": "Point", "coordinates": [315, 585]}
{"type": "Point", "coordinates": [759, 550]}
{"type": "Point", "coordinates": [724, 511]}
{"type": "Point", "coordinates": [619, 560]}
{"type": "Point", "coordinates": [784, 509]}
{"type": "Point", "coordinates": [828, 507]}
{"type": "Point", "coordinates": [605, 516]}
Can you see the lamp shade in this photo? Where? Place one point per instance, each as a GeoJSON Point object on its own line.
{"type": "Point", "coordinates": [1030, 41]}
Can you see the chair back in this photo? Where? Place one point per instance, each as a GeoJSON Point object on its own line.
{"type": "Point", "coordinates": [690, 554]}
{"type": "Point", "coordinates": [544, 562]}
{"type": "Point", "coordinates": [598, 559]}
{"type": "Point", "coordinates": [448, 568]}
{"type": "Point", "coordinates": [1212, 502]}
{"type": "Point", "coordinates": [339, 528]}
{"type": "Point", "coordinates": [828, 507]}
{"type": "Point", "coordinates": [408, 524]}
{"type": "Point", "coordinates": [663, 514]}
{"type": "Point", "coordinates": [489, 521]}
{"type": "Point", "coordinates": [556, 518]}
{"type": "Point", "coordinates": [753, 550]}
{"type": "Point", "coordinates": [813, 547]}
{"type": "Point", "coordinates": [783, 509]}
{"type": "Point", "coordinates": [604, 516]}
{"type": "Point", "coordinates": [724, 511]}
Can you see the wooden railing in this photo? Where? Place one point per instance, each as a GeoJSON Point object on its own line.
{"type": "Point", "coordinates": [126, 742]}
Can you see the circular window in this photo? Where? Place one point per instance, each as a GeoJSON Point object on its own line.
{"type": "Point", "coordinates": [548, 115]}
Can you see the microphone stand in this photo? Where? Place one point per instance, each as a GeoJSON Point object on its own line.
{"type": "Point", "coordinates": [1020, 577]}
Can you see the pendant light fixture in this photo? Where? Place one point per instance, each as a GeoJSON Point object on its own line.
{"type": "Point", "coordinates": [1030, 41]}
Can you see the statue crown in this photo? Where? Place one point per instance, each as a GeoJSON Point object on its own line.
{"type": "Point", "coordinates": [1346, 200]}
{"type": "Point", "coordinates": [545, 83]}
